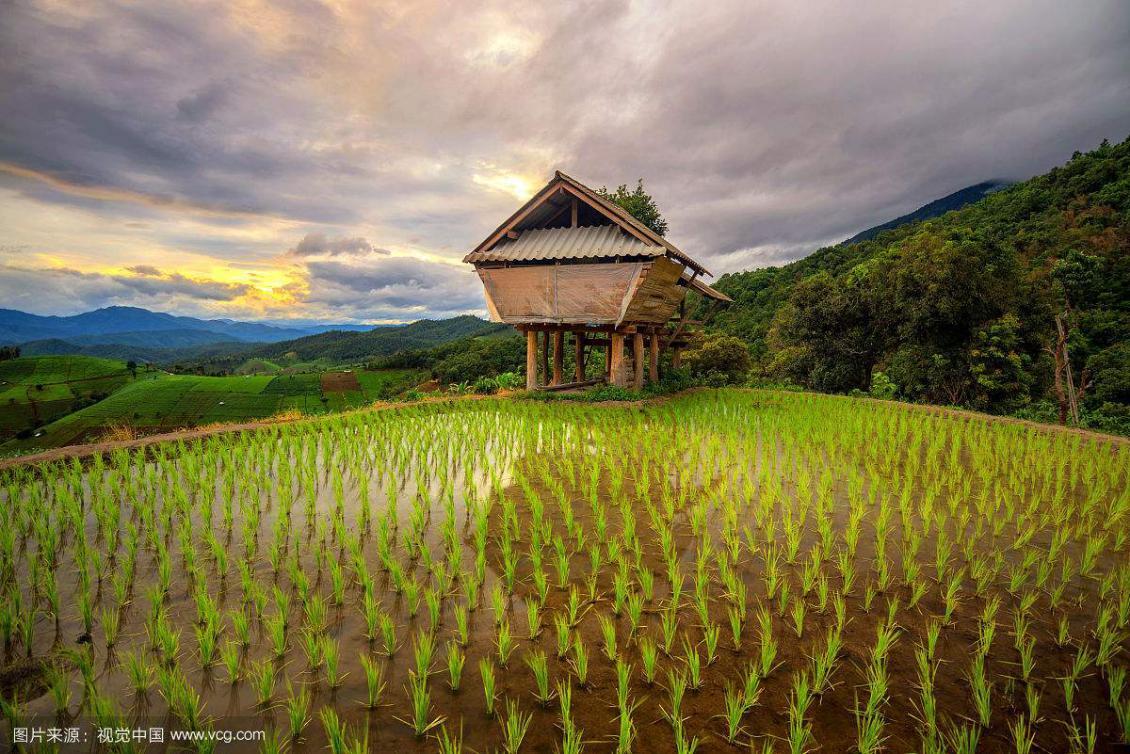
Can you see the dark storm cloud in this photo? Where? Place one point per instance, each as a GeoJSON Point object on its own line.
{"type": "Point", "coordinates": [392, 288]}
{"type": "Point", "coordinates": [764, 129]}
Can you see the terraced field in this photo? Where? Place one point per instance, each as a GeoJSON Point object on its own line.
{"type": "Point", "coordinates": [724, 571]}
{"type": "Point", "coordinates": [157, 401]}
{"type": "Point", "coordinates": [37, 389]}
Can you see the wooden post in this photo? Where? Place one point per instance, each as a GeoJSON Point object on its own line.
{"type": "Point", "coordinates": [616, 359]}
{"type": "Point", "coordinates": [558, 356]}
{"type": "Point", "coordinates": [545, 357]}
{"type": "Point", "coordinates": [579, 356]}
{"type": "Point", "coordinates": [637, 361]}
{"type": "Point", "coordinates": [676, 357]}
{"type": "Point", "coordinates": [653, 358]}
{"type": "Point", "coordinates": [531, 359]}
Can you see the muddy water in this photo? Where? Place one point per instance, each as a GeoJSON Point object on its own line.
{"type": "Point", "coordinates": [554, 456]}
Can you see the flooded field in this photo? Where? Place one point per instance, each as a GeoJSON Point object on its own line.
{"type": "Point", "coordinates": [725, 571]}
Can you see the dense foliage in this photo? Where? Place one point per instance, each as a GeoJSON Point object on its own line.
{"type": "Point", "coordinates": [463, 360]}
{"type": "Point", "coordinates": [962, 309]}
{"type": "Point", "coordinates": [717, 359]}
{"type": "Point", "coordinates": [345, 347]}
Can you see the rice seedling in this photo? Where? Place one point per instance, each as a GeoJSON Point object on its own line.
{"type": "Point", "coordinates": [693, 662]}
{"type": "Point", "coordinates": [504, 643]}
{"type": "Point", "coordinates": [514, 727]}
{"type": "Point", "coordinates": [139, 672]}
{"type": "Point", "coordinates": [421, 721]}
{"type": "Point", "coordinates": [649, 656]}
{"type": "Point", "coordinates": [231, 657]}
{"type": "Point", "coordinates": [538, 665]}
{"type": "Point", "coordinates": [331, 663]}
{"type": "Point", "coordinates": [455, 661]}
{"type": "Point", "coordinates": [982, 689]}
{"type": "Point", "coordinates": [297, 711]}
{"type": "Point", "coordinates": [262, 677]}
{"type": "Point", "coordinates": [710, 633]}
{"type": "Point", "coordinates": [608, 634]}
{"type": "Point", "coordinates": [449, 744]}
{"type": "Point", "coordinates": [799, 730]}
{"type": "Point", "coordinates": [486, 670]}
{"type": "Point", "coordinates": [734, 710]}
{"type": "Point", "coordinates": [580, 661]}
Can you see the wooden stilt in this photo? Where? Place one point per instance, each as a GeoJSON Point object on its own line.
{"type": "Point", "coordinates": [676, 357]}
{"type": "Point", "coordinates": [545, 357]}
{"type": "Point", "coordinates": [531, 359]}
{"type": "Point", "coordinates": [637, 361]}
{"type": "Point", "coordinates": [653, 358]}
{"type": "Point", "coordinates": [579, 356]}
{"type": "Point", "coordinates": [616, 360]}
{"type": "Point", "coordinates": [558, 357]}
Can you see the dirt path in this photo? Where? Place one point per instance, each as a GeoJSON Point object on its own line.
{"type": "Point", "coordinates": [88, 449]}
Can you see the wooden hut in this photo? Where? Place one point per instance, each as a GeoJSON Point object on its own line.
{"type": "Point", "coordinates": [570, 263]}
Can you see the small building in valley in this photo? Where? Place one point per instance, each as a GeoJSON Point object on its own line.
{"type": "Point", "coordinates": [570, 264]}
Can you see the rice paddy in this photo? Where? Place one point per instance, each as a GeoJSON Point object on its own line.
{"type": "Point", "coordinates": [724, 571]}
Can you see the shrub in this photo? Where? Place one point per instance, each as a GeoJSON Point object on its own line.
{"type": "Point", "coordinates": [509, 381]}
{"type": "Point", "coordinates": [486, 385]}
{"type": "Point", "coordinates": [882, 387]}
{"type": "Point", "coordinates": [718, 360]}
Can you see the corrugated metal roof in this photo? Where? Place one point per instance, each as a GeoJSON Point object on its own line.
{"type": "Point", "coordinates": [563, 182]}
{"type": "Point", "coordinates": [602, 241]}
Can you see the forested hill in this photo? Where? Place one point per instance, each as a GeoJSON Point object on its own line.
{"type": "Point", "coordinates": [352, 347]}
{"type": "Point", "coordinates": [961, 309]}
{"type": "Point", "coordinates": [956, 200]}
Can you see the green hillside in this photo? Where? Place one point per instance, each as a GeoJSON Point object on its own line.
{"type": "Point", "coordinates": [337, 348]}
{"type": "Point", "coordinates": [961, 309]}
{"type": "Point", "coordinates": [159, 402]}
{"type": "Point", "coordinates": [38, 389]}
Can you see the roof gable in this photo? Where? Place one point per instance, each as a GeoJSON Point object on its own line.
{"type": "Point", "coordinates": [616, 215]}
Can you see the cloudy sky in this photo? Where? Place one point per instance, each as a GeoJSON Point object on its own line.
{"type": "Point", "coordinates": [333, 161]}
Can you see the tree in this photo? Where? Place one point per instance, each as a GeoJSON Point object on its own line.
{"type": "Point", "coordinates": [1075, 274]}
{"type": "Point", "coordinates": [131, 365]}
{"type": "Point", "coordinates": [9, 352]}
{"type": "Point", "coordinates": [639, 204]}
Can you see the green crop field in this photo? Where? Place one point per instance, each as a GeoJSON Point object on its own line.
{"type": "Point", "coordinates": [727, 570]}
{"type": "Point", "coordinates": [37, 389]}
{"type": "Point", "coordinates": [158, 401]}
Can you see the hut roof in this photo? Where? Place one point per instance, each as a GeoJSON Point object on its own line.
{"type": "Point", "coordinates": [599, 241]}
{"type": "Point", "coordinates": [545, 204]}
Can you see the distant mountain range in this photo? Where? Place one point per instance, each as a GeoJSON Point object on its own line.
{"type": "Point", "coordinates": [936, 208]}
{"type": "Point", "coordinates": [141, 328]}
{"type": "Point", "coordinates": [214, 353]}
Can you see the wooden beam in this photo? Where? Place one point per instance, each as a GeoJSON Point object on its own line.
{"type": "Point", "coordinates": [637, 361]}
{"type": "Point", "coordinates": [558, 357]}
{"type": "Point", "coordinates": [653, 359]}
{"type": "Point", "coordinates": [602, 342]}
{"type": "Point", "coordinates": [571, 385]}
{"type": "Point", "coordinates": [579, 356]}
{"type": "Point", "coordinates": [531, 359]}
{"type": "Point", "coordinates": [545, 358]}
{"type": "Point", "coordinates": [573, 220]}
{"type": "Point", "coordinates": [616, 360]}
